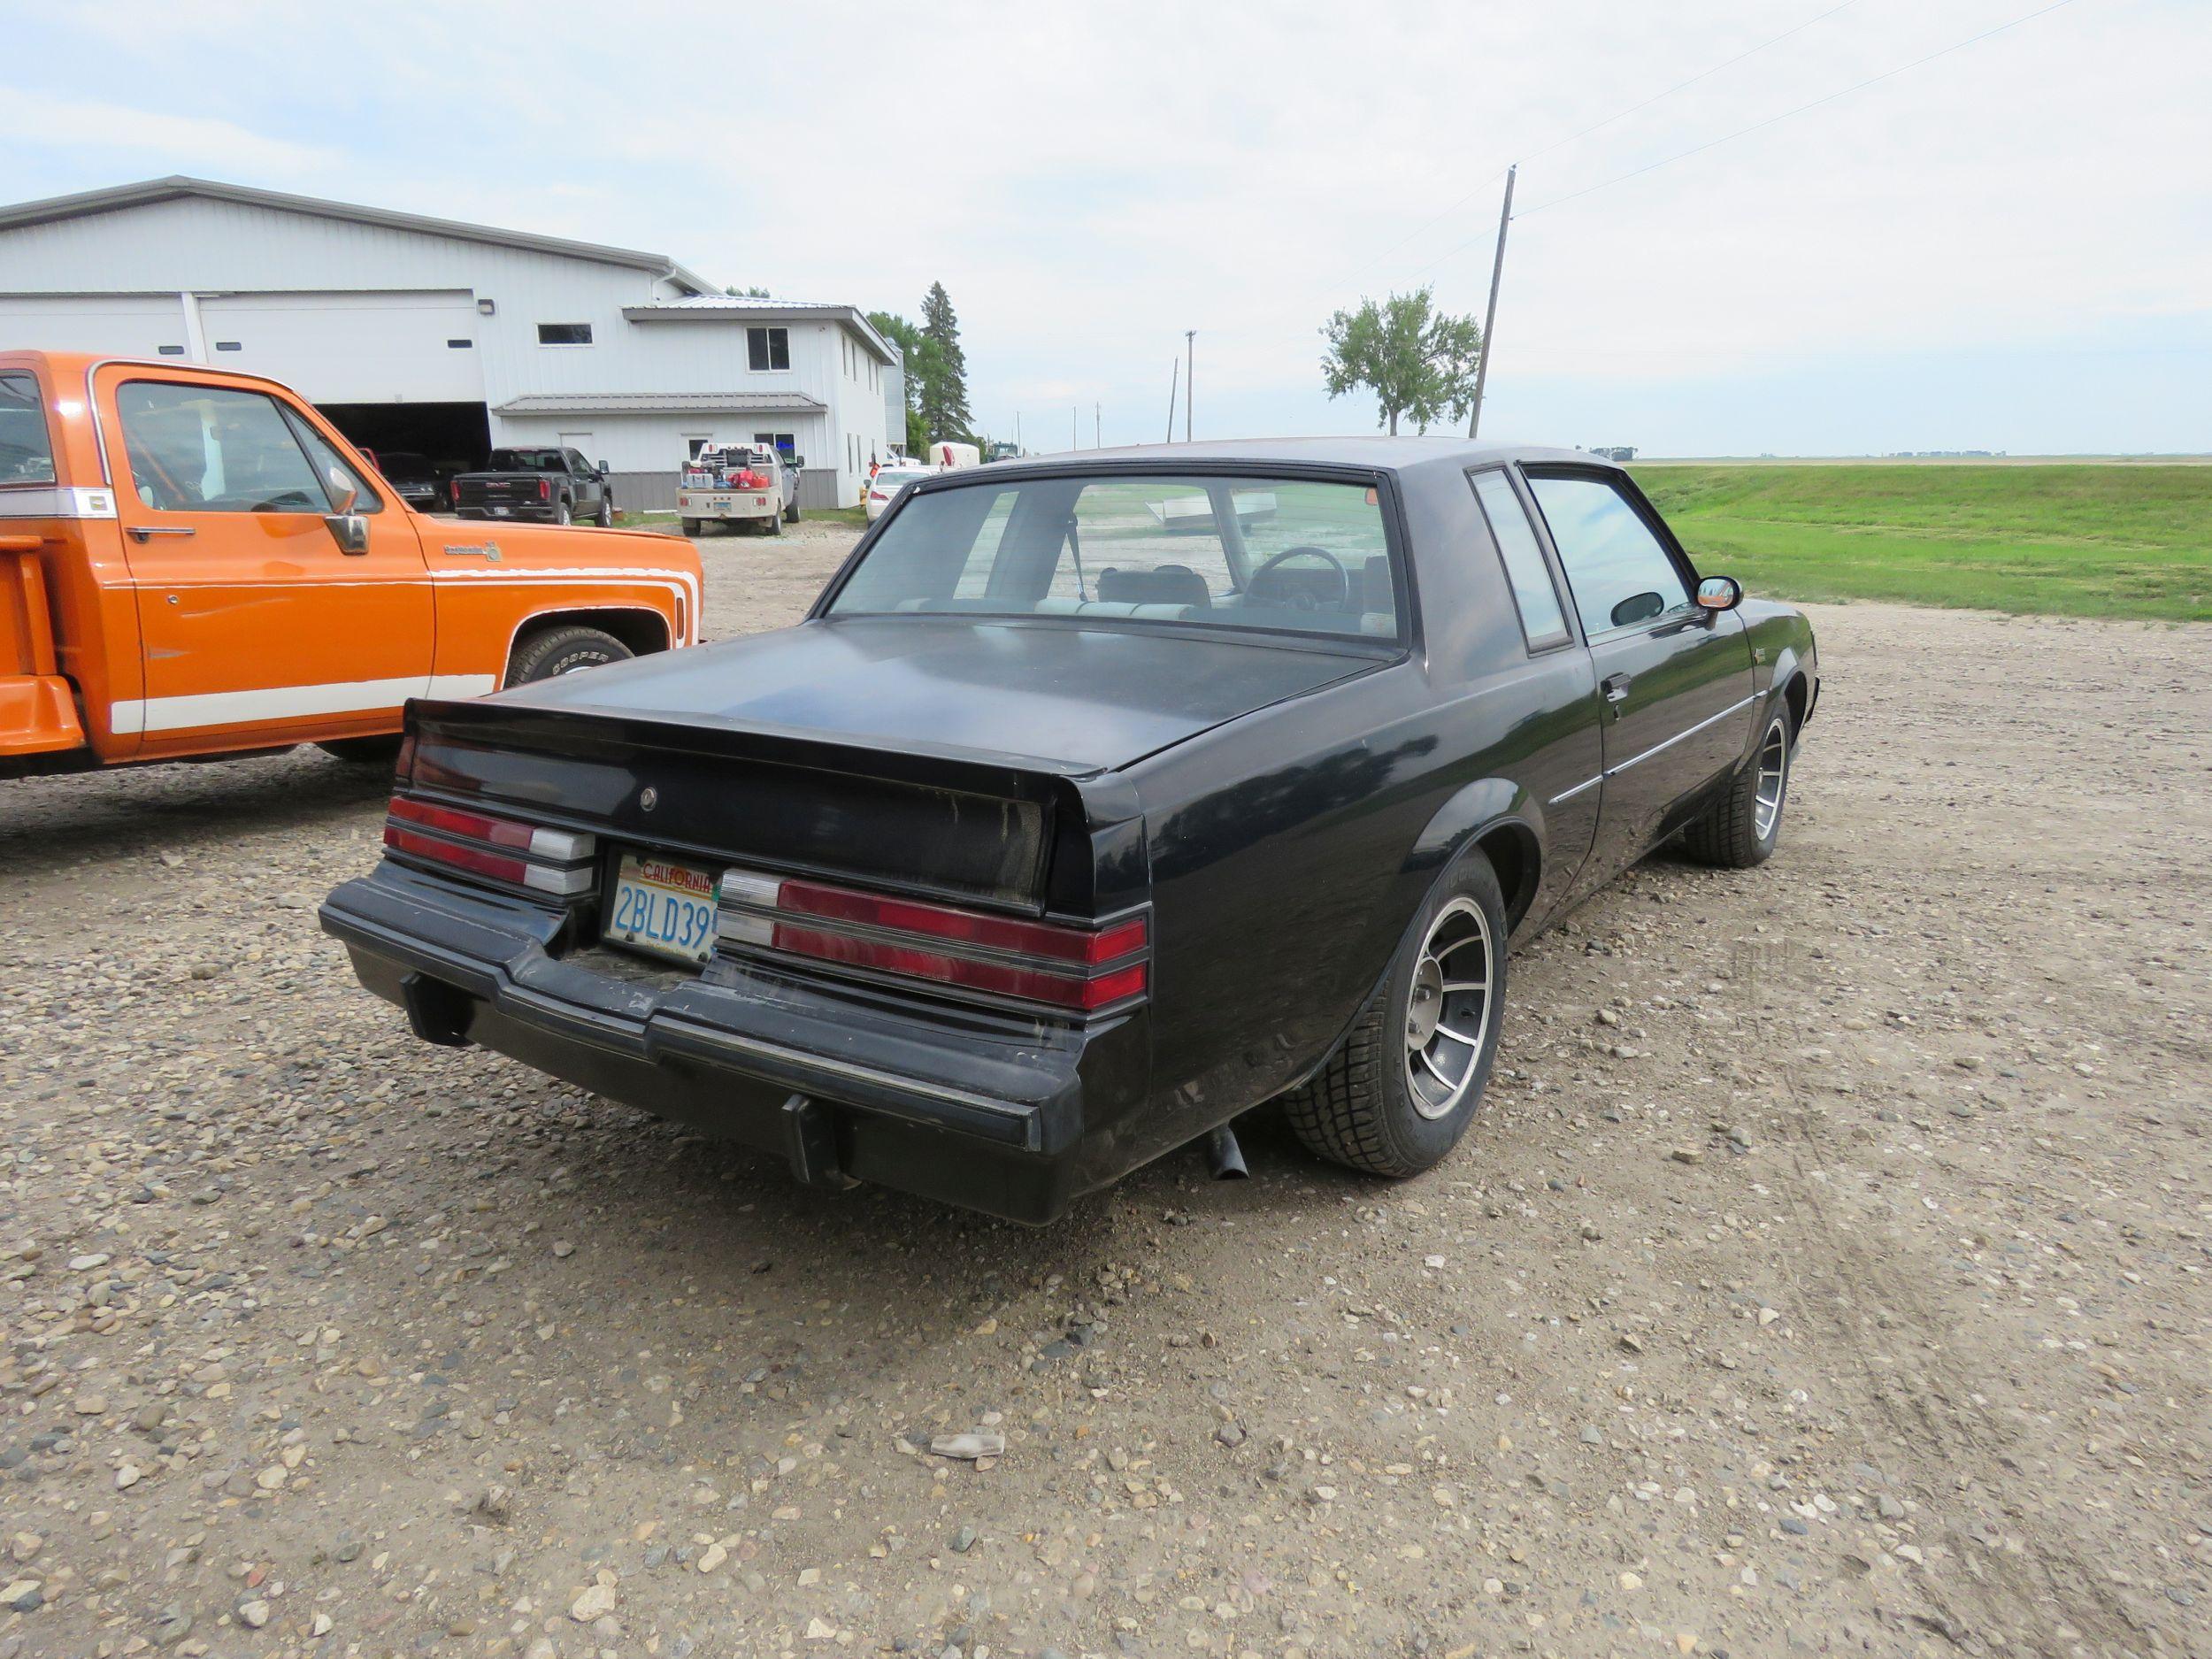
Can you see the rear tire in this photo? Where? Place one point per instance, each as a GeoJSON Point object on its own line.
{"type": "Point", "coordinates": [1396, 1098]}
{"type": "Point", "coordinates": [774, 526]}
{"type": "Point", "coordinates": [689, 526]}
{"type": "Point", "coordinates": [1740, 829]}
{"type": "Point", "coordinates": [364, 751]}
{"type": "Point", "coordinates": [791, 513]}
{"type": "Point", "coordinates": [562, 512]}
{"type": "Point", "coordinates": [562, 651]}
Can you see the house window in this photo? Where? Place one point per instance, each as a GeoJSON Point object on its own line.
{"type": "Point", "coordinates": [564, 334]}
{"type": "Point", "coordinates": [767, 349]}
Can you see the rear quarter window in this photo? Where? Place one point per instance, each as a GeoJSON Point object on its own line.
{"type": "Point", "coordinates": [27, 448]}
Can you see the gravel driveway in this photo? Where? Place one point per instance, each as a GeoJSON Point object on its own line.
{"type": "Point", "coordinates": [1827, 1274]}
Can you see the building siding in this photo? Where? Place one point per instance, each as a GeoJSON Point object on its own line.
{"type": "Point", "coordinates": [354, 312]}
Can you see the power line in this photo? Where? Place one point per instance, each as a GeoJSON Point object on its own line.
{"type": "Point", "coordinates": [1858, 86]}
{"type": "Point", "coordinates": [1619, 115]}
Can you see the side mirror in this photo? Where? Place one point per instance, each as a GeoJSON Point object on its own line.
{"type": "Point", "coordinates": [348, 529]}
{"type": "Point", "coordinates": [1720, 593]}
{"type": "Point", "coordinates": [603, 469]}
{"type": "Point", "coordinates": [795, 461]}
{"type": "Point", "coordinates": [344, 494]}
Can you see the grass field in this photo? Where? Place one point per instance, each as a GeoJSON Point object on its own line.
{"type": "Point", "coordinates": [2090, 540]}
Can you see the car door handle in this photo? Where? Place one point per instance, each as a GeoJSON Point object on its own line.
{"type": "Point", "coordinates": [146, 533]}
{"type": "Point", "coordinates": [1615, 687]}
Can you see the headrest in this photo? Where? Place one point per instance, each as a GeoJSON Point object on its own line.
{"type": "Point", "coordinates": [1167, 585]}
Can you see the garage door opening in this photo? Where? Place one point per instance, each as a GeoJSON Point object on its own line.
{"type": "Point", "coordinates": [452, 437]}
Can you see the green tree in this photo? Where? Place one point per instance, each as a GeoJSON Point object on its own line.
{"type": "Point", "coordinates": [908, 338]}
{"type": "Point", "coordinates": [748, 294]}
{"type": "Point", "coordinates": [1418, 362]}
{"type": "Point", "coordinates": [943, 369]}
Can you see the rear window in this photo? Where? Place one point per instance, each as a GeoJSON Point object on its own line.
{"type": "Point", "coordinates": [526, 461]}
{"type": "Point", "coordinates": [26, 450]}
{"type": "Point", "coordinates": [1220, 551]}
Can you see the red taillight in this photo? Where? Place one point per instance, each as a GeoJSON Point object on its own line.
{"type": "Point", "coordinates": [523, 855]}
{"type": "Point", "coordinates": [545, 489]}
{"type": "Point", "coordinates": [877, 495]}
{"type": "Point", "coordinates": [1079, 968]}
{"type": "Point", "coordinates": [457, 491]}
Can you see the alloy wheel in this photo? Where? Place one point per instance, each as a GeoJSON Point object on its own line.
{"type": "Point", "coordinates": [1774, 779]}
{"type": "Point", "coordinates": [1447, 1013]}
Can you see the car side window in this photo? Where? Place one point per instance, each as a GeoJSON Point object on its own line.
{"type": "Point", "coordinates": [1621, 575]}
{"type": "Point", "coordinates": [1543, 624]}
{"type": "Point", "coordinates": [212, 449]}
{"type": "Point", "coordinates": [26, 453]}
{"type": "Point", "coordinates": [338, 473]}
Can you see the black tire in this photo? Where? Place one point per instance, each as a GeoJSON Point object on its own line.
{"type": "Point", "coordinates": [689, 526]}
{"type": "Point", "coordinates": [605, 516]}
{"type": "Point", "coordinates": [1730, 834]}
{"type": "Point", "coordinates": [364, 751]}
{"type": "Point", "coordinates": [562, 651]}
{"type": "Point", "coordinates": [1360, 1109]}
{"type": "Point", "coordinates": [563, 513]}
{"type": "Point", "coordinates": [791, 513]}
{"type": "Point", "coordinates": [774, 526]}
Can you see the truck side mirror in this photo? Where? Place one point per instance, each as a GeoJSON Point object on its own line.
{"type": "Point", "coordinates": [349, 530]}
{"type": "Point", "coordinates": [603, 469]}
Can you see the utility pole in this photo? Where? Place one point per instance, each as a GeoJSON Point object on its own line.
{"type": "Point", "coordinates": [1017, 432]}
{"type": "Point", "coordinates": [1190, 375]}
{"type": "Point", "coordinates": [1098, 426]}
{"type": "Point", "coordinates": [1075, 412]}
{"type": "Point", "coordinates": [1175, 369]}
{"type": "Point", "coordinates": [1490, 312]}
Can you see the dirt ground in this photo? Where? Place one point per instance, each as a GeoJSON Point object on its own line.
{"type": "Point", "coordinates": [1827, 1273]}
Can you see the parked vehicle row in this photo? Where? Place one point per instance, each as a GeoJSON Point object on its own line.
{"type": "Point", "coordinates": [195, 562]}
{"type": "Point", "coordinates": [1093, 803]}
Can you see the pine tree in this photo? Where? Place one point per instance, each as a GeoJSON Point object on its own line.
{"type": "Point", "coordinates": [941, 367]}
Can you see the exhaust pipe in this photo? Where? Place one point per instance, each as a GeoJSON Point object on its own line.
{"type": "Point", "coordinates": [1224, 1158]}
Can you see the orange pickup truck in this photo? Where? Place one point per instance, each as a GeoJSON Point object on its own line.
{"type": "Point", "coordinates": [193, 564]}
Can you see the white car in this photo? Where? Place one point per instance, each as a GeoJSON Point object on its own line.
{"type": "Point", "coordinates": [883, 489]}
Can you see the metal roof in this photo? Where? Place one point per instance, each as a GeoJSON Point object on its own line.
{"type": "Point", "coordinates": [735, 307]}
{"type": "Point", "coordinates": [663, 403]}
{"type": "Point", "coordinates": [179, 186]}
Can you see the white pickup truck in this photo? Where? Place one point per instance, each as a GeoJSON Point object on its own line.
{"type": "Point", "coordinates": [738, 483]}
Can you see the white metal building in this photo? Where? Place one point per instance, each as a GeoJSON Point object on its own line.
{"type": "Point", "coordinates": [449, 339]}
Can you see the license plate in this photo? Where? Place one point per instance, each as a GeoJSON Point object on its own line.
{"type": "Point", "coordinates": [499, 512]}
{"type": "Point", "coordinates": [664, 907]}
{"type": "Point", "coordinates": [723, 504]}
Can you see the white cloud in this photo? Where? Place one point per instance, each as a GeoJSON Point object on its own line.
{"type": "Point", "coordinates": [164, 141]}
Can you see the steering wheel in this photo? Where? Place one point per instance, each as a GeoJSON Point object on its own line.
{"type": "Point", "coordinates": [1299, 600]}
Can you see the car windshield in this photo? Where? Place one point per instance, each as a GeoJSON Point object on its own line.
{"type": "Point", "coordinates": [1239, 550]}
{"type": "Point", "coordinates": [525, 461]}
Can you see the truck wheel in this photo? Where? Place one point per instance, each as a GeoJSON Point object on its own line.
{"type": "Point", "coordinates": [562, 512]}
{"type": "Point", "coordinates": [1740, 830]}
{"type": "Point", "coordinates": [562, 651]}
{"type": "Point", "coordinates": [791, 513]}
{"type": "Point", "coordinates": [774, 526]}
{"type": "Point", "coordinates": [606, 516]}
{"type": "Point", "coordinates": [1400, 1092]}
{"type": "Point", "coordinates": [689, 526]}
{"type": "Point", "coordinates": [364, 751]}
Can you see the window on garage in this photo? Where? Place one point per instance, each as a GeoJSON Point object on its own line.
{"type": "Point", "coordinates": [564, 334]}
{"type": "Point", "coordinates": [694, 441]}
{"type": "Point", "coordinates": [27, 452]}
{"type": "Point", "coordinates": [767, 349]}
{"type": "Point", "coordinates": [786, 442]}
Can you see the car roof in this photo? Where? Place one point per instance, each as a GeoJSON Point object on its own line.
{"type": "Point", "coordinates": [1381, 453]}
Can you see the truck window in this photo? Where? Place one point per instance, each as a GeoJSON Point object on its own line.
{"type": "Point", "coordinates": [27, 451]}
{"type": "Point", "coordinates": [210, 449]}
{"type": "Point", "coordinates": [337, 473]}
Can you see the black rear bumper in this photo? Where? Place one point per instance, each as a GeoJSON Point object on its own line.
{"type": "Point", "coordinates": [980, 1108]}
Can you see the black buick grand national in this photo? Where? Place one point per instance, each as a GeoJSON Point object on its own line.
{"type": "Point", "coordinates": [1095, 801]}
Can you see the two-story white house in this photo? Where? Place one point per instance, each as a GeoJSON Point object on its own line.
{"type": "Point", "coordinates": [449, 339]}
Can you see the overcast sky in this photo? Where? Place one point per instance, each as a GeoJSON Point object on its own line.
{"type": "Point", "coordinates": [2009, 247]}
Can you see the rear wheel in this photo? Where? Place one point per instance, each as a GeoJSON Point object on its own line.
{"type": "Point", "coordinates": [774, 526]}
{"type": "Point", "coordinates": [1740, 829]}
{"type": "Point", "coordinates": [562, 651]}
{"type": "Point", "coordinates": [690, 527]}
{"type": "Point", "coordinates": [1400, 1092]}
{"type": "Point", "coordinates": [562, 512]}
{"type": "Point", "coordinates": [791, 513]}
{"type": "Point", "coordinates": [364, 751]}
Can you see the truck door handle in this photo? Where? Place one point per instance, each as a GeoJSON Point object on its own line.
{"type": "Point", "coordinates": [1616, 687]}
{"type": "Point", "coordinates": [146, 533]}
